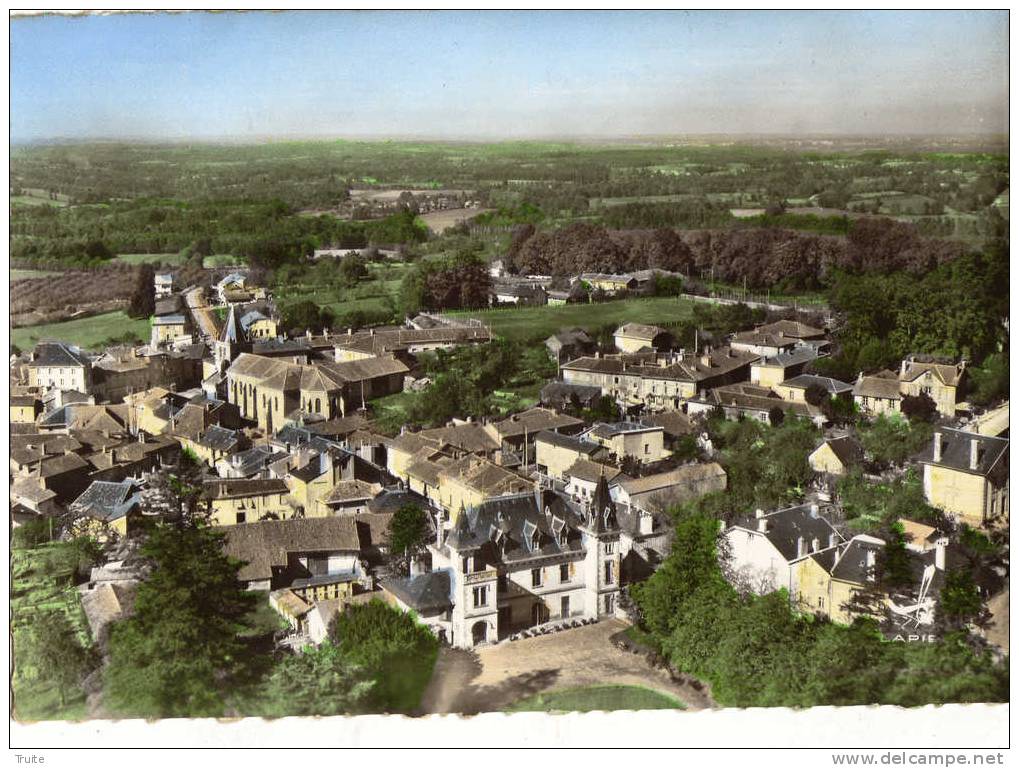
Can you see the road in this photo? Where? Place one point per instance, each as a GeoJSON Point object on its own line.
{"type": "Point", "coordinates": [202, 315]}
{"type": "Point", "coordinates": [490, 678]}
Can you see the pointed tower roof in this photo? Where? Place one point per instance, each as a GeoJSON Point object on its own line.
{"type": "Point", "coordinates": [603, 509]}
{"type": "Point", "coordinates": [231, 331]}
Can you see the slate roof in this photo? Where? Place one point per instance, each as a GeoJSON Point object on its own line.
{"type": "Point", "coordinates": [847, 449]}
{"type": "Point", "coordinates": [254, 460]}
{"type": "Point", "coordinates": [852, 565]}
{"type": "Point", "coordinates": [230, 332]}
{"type": "Point", "coordinates": [992, 452]}
{"type": "Point", "coordinates": [218, 438]}
{"type": "Point", "coordinates": [832, 386]}
{"type": "Point", "coordinates": [789, 358]}
{"type": "Point", "coordinates": [608, 430]}
{"type": "Point", "coordinates": [264, 545]}
{"type": "Point", "coordinates": [106, 500]}
{"type": "Point", "coordinates": [168, 320]}
{"type": "Point", "coordinates": [571, 442]}
{"type": "Point", "coordinates": [425, 593]}
{"type": "Point", "coordinates": [48, 354]}
{"type": "Point", "coordinates": [786, 526]}
{"type": "Point", "coordinates": [515, 528]}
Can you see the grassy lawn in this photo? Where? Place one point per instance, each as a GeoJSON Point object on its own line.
{"type": "Point", "coordinates": [87, 332]}
{"type": "Point", "coordinates": [151, 258]}
{"type": "Point", "coordinates": [597, 698]}
{"type": "Point", "coordinates": [534, 323]}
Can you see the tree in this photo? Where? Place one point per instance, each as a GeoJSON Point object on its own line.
{"type": "Point", "coordinates": [408, 532]}
{"type": "Point", "coordinates": [815, 394]}
{"type": "Point", "coordinates": [143, 300]}
{"type": "Point", "coordinates": [893, 565]}
{"type": "Point", "coordinates": [919, 408]}
{"type": "Point", "coordinates": [179, 653]}
{"type": "Point", "coordinates": [394, 650]}
{"type": "Point", "coordinates": [315, 681]}
{"type": "Point", "coordinates": [960, 599]}
{"type": "Point", "coordinates": [776, 416]}
{"type": "Point", "coordinates": [56, 652]}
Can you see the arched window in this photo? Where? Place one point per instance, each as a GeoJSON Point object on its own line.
{"type": "Point", "coordinates": [318, 405]}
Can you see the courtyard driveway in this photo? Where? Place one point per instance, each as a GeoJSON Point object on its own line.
{"type": "Point", "coordinates": [492, 677]}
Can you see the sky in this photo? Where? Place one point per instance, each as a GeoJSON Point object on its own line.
{"type": "Point", "coordinates": [514, 74]}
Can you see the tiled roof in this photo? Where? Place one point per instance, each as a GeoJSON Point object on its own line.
{"type": "Point", "coordinates": [639, 331]}
{"type": "Point", "coordinates": [883, 384]}
{"type": "Point", "coordinates": [592, 471]}
{"type": "Point", "coordinates": [235, 489]}
{"type": "Point", "coordinates": [534, 420]}
{"type": "Point", "coordinates": [265, 545]}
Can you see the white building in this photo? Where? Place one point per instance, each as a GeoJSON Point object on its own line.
{"type": "Point", "coordinates": [519, 562]}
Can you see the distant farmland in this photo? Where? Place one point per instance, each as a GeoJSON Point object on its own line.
{"type": "Point", "coordinates": [439, 221]}
{"type": "Point", "coordinates": [534, 323]}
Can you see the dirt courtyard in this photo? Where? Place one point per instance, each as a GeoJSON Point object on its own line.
{"type": "Point", "coordinates": [492, 677]}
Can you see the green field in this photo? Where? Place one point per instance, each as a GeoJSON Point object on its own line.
{"type": "Point", "coordinates": [31, 274]}
{"type": "Point", "coordinates": [32, 200]}
{"type": "Point", "coordinates": [151, 258]}
{"type": "Point", "coordinates": [534, 323]}
{"type": "Point", "coordinates": [597, 698]}
{"type": "Point", "coordinates": [87, 332]}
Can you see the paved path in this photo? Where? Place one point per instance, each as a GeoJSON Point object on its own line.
{"type": "Point", "coordinates": [492, 677]}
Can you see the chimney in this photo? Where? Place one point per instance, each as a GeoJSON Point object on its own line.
{"type": "Point", "coordinates": [814, 511]}
{"type": "Point", "coordinates": [801, 546]}
{"type": "Point", "coordinates": [815, 544]}
{"type": "Point", "coordinates": [832, 539]}
{"type": "Point", "coordinates": [974, 453]}
{"type": "Point", "coordinates": [762, 524]}
{"type": "Point", "coordinates": [871, 562]}
{"type": "Point", "coordinates": [940, 550]}
{"type": "Point", "coordinates": [309, 334]}
{"type": "Point", "coordinates": [759, 513]}
{"type": "Point", "coordinates": [937, 446]}
{"type": "Point", "coordinates": [350, 332]}
{"type": "Point", "coordinates": [904, 367]}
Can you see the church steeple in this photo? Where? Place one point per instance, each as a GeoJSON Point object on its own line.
{"type": "Point", "coordinates": [231, 342]}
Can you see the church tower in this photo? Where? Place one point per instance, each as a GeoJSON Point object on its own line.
{"type": "Point", "coordinates": [231, 342]}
